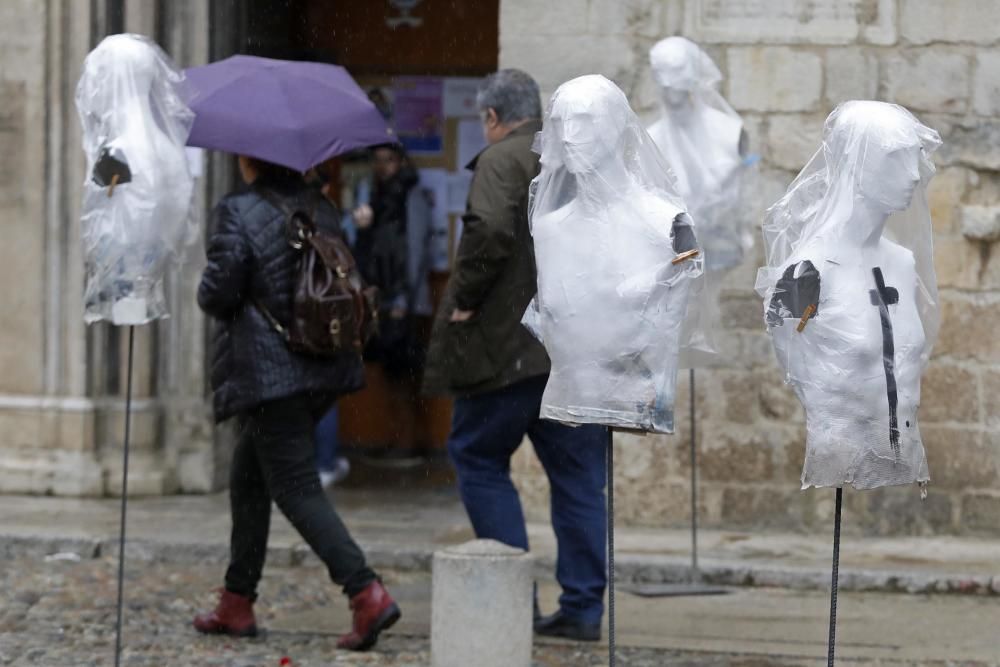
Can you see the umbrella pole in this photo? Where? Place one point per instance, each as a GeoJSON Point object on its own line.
{"type": "Point", "coordinates": [124, 500]}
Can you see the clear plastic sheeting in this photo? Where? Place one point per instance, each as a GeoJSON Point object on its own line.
{"type": "Point", "coordinates": [850, 296]}
{"type": "Point", "coordinates": [137, 199]}
{"type": "Point", "coordinates": [702, 138]}
{"type": "Point", "coordinates": [617, 263]}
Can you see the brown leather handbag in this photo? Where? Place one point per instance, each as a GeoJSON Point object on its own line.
{"type": "Point", "coordinates": [333, 311]}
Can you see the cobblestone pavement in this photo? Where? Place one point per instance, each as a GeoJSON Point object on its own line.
{"type": "Point", "coordinates": [60, 613]}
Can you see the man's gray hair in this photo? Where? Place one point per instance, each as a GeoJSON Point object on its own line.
{"type": "Point", "coordinates": [512, 94]}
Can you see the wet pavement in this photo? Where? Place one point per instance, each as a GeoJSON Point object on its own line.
{"type": "Point", "coordinates": [60, 613]}
{"type": "Point", "coordinates": [58, 573]}
{"type": "Point", "coordinates": [400, 529]}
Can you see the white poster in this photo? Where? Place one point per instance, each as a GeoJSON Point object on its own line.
{"type": "Point", "coordinates": [470, 141]}
{"type": "Point", "coordinates": [460, 97]}
{"type": "Point", "coordinates": [458, 190]}
{"type": "Point", "coordinates": [435, 181]}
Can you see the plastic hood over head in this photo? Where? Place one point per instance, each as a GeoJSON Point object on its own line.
{"type": "Point", "coordinates": [137, 206]}
{"type": "Point", "coordinates": [872, 152]}
{"type": "Point", "coordinates": [850, 295]}
{"type": "Point", "coordinates": [617, 263]}
{"type": "Point", "coordinates": [679, 64]}
{"type": "Point", "coordinates": [700, 136]}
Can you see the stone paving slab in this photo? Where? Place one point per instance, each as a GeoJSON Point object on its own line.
{"type": "Point", "coordinates": [401, 529]}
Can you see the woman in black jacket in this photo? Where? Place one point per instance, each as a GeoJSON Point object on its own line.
{"type": "Point", "coordinates": [277, 396]}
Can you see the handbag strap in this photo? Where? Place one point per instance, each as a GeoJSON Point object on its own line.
{"type": "Point", "coordinates": [296, 241]}
{"type": "Point", "coordinates": [295, 233]}
{"type": "Point", "coordinates": [272, 320]}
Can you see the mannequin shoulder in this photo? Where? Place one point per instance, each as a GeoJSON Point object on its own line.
{"type": "Point", "coordinates": [725, 125]}
{"type": "Point", "coordinates": [896, 254]}
{"type": "Point", "coordinates": [658, 207]}
{"type": "Point", "coordinates": [549, 221]}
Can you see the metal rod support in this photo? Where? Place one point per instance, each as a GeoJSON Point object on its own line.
{"type": "Point", "coordinates": [611, 548]}
{"type": "Point", "coordinates": [835, 577]}
{"type": "Point", "coordinates": [694, 486]}
{"type": "Point", "coordinates": [124, 503]}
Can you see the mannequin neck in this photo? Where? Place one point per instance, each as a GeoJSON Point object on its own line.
{"type": "Point", "coordinates": [867, 223]}
{"type": "Point", "coordinates": [135, 110]}
{"type": "Point", "coordinates": [679, 109]}
{"type": "Point", "coordinates": [606, 184]}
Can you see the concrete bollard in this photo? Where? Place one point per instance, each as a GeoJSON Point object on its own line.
{"type": "Point", "coordinates": [481, 606]}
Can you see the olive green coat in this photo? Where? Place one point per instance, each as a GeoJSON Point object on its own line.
{"type": "Point", "coordinates": [494, 276]}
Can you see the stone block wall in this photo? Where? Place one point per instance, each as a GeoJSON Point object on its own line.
{"type": "Point", "coordinates": [786, 65]}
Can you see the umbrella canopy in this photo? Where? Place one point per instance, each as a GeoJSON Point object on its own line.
{"type": "Point", "coordinates": [296, 114]}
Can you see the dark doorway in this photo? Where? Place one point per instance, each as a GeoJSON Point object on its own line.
{"type": "Point", "coordinates": [379, 42]}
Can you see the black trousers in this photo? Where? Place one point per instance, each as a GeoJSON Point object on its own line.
{"type": "Point", "coordinates": [275, 459]}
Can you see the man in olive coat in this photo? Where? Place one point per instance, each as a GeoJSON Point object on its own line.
{"type": "Point", "coordinates": [481, 354]}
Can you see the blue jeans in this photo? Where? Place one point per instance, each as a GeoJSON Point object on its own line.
{"type": "Point", "coordinates": [326, 440]}
{"type": "Point", "coordinates": [486, 431]}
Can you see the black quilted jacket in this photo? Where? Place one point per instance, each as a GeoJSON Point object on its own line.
{"type": "Point", "coordinates": [249, 257]}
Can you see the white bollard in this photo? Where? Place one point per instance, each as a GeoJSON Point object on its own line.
{"type": "Point", "coordinates": [481, 606]}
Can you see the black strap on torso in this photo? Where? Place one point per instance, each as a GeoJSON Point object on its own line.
{"type": "Point", "coordinates": [883, 297]}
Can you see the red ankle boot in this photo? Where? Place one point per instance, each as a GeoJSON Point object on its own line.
{"type": "Point", "coordinates": [232, 616]}
{"type": "Point", "coordinates": [374, 611]}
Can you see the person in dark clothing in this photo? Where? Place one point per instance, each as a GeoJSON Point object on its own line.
{"type": "Point", "coordinates": [482, 354]}
{"type": "Point", "coordinates": [392, 248]}
{"type": "Point", "coordinates": [277, 395]}
{"type": "Point", "coordinates": [381, 245]}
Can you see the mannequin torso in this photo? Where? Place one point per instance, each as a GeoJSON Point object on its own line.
{"type": "Point", "coordinates": [610, 303]}
{"type": "Point", "coordinates": [134, 226]}
{"type": "Point", "coordinates": [837, 367]}
{"type": "Point", "coordinates": [850, 295]}
{"type": "Point", "coordinates": [711, 134]}
{"type": "Point", "coordinates": [702, 139]}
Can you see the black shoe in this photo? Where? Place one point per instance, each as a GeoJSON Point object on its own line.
{"type": "Point", "coordinates": [567, 627]}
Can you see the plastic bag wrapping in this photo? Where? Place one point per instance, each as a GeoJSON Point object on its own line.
{"type": "Point", "coordinates": [138, 194]}
{"type": "Point", "coordinates": [617, 261]}
{"type": "Point", "coordinates": [850, 295]}
{"type": "Point", "coordinates": [701, 138]}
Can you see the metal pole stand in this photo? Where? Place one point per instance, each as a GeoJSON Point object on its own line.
{"type": "Point", "coordinates": [695, 585]}
{"type": "Point", "coordinates": [124, 503]}
{"type": "Point", "coordinates": [611, 547]}
{"type": "Point", "coordinates": [835, 577]}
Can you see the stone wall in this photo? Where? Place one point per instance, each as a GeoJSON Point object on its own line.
{"type": "Point", "coordinates": [787, 64]}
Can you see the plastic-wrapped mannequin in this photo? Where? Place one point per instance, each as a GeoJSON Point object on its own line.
{"type": "Point", "coordinates": [138, 192]}
{"type": "Point", "coordinates": [702, 139]}
{"type": "Point", "coordinates": [616, 257]}
{"type": "Point", "coordinates": [851, 298]}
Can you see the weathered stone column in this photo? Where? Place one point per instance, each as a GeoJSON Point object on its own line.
{"type": "Point", "coordinates": [481, 606]}
{"type": "Point", "coordinates": [62, 384]}
{"type": "Point", "coordinates": [46, 416]}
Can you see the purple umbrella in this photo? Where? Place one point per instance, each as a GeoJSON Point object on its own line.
{"type": "Point", "coordinates": [297, 114]}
